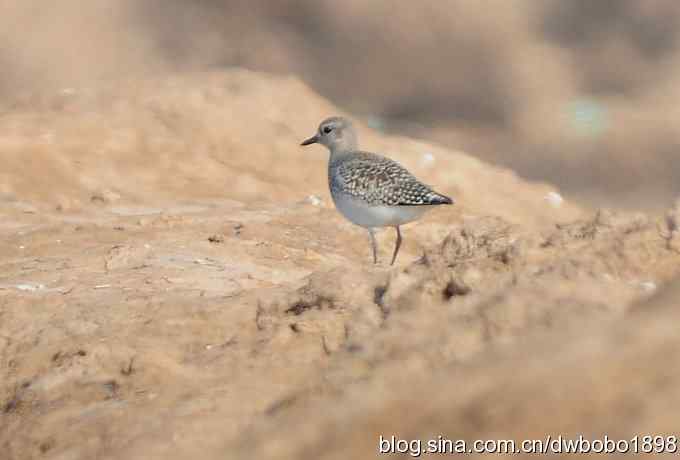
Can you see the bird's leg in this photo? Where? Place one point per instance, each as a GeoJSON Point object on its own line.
{"type": "Point", "coordinates": [373, 245]}
{"type": "Point", "coordinates": [396, 246]}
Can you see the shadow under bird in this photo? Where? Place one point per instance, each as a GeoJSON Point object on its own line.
{"type": "Point", "coordinates": [371, 190]}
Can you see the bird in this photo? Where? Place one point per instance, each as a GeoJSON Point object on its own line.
{"type": "Point", "coordinates": [368, 189]}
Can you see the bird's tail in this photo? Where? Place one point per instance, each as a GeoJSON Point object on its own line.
{"type": "Point", "coordinates": [438, 198]}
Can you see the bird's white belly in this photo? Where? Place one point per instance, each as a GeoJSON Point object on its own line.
{"type": "Point", "coordinates": [360, 213]}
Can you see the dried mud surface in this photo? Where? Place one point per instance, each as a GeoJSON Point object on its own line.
{"type": "Point", "coordinates": [175, 283]}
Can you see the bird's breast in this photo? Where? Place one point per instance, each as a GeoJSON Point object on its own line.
{"type": "Point", "coordinates": [361, 213]}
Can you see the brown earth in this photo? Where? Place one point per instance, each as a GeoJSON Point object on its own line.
{"type": "Point", "coordinates": [176, 284]}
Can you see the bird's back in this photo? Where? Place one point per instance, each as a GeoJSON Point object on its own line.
{"type": "Point", "coordinates": [379, 181]}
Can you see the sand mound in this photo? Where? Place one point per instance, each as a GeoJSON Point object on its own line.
{"type": "Point", "coordinates": [176, 284]}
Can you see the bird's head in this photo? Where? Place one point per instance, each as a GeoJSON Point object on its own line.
{"type": "Point", "coordinates": [336, 133]}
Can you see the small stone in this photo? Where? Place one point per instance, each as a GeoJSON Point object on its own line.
{"type": "Point", "coordinates": [554, 198]}
{"type": "Point", "coordinates": [105, 196]}
{"type": "Point", "coordinates": [648, 286]}
{"type": "Point", "coordinates": [427, 160]}
{"type": "Point", "coordinates": [314, 200]}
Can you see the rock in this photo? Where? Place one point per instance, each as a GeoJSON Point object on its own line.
{"type": "Point", "coordinates": [126, 257]}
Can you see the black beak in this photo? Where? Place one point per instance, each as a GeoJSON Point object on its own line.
{"type": "Point", "coordinates": [312, 140]}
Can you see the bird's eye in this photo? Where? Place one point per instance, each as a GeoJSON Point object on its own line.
{"type": "Point", "coordinates": [327, 129]}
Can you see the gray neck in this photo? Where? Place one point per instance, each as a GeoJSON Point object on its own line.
{"type": "Point", "coordinates": [344, 144]}
{"type": "Point", "coordinates": [340, 152]}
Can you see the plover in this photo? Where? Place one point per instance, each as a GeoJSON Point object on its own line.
{"type": "Point", "coordinates": [371, 190]}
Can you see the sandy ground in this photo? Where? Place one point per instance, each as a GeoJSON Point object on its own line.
{"type": "Point", "coordinates": [175, 283]}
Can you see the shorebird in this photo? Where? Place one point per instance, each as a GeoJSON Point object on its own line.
{"type": "Point", "coordinates": [368, 189]}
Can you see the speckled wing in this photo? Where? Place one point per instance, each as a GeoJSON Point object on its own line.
{"type": "Point", "coordinates": [380, 181]}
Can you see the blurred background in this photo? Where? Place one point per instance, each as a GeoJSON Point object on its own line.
{"type": "Point", "coordinates": [174, 278]}
{"type": "Point", "coordinates": [579, 93]}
